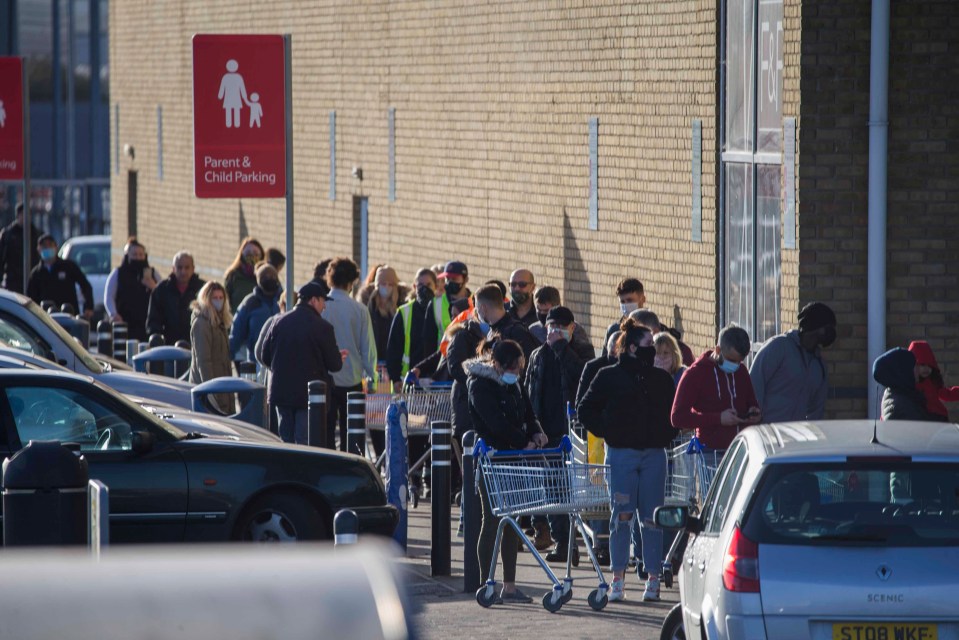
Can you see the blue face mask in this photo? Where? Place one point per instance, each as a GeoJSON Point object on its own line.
{"type": "Point", "coordinates": [48, 254]}
{"type": "Point", "coordinates": [484, 327]}
{"type": "Point", "coordinates": [509, 378]}
{"type": "Point", "coordinates": [729, 367]}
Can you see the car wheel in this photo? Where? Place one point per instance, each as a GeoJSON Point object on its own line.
{"type": "Point", "coordinates": [672, 628]}
{"type": "Point", "coordinates": [280, 518]}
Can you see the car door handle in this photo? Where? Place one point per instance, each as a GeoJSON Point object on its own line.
{"type": "Point", "coordinates": [690, 561]}
{"type": "Point", "coordinates": [702, 567]}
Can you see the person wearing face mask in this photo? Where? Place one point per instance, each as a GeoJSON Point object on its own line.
{"type": "Point", "coordinates": [495, 322]}
{"type": "Point", "coordinates": [788, 372]}
{"type": "Point", "coordinates": [382, 298]}
{"type": "Point", "coordinates": [521, 307]}
{"type": "Point", "coordinates": [628, 404]}
{"type": "Point", "coordinates": [209, 340]}
{"type": "Point", "coordinates": [240, 278]}
{"type": "Point", "coordinates": [404, 346]}
{"type": "Point", "coordinates": [126, 296]}
{"type": "Point", "coordinates": [169, 312]}
{"type": "Point", "coordinates": [258, 307]}
{"type": "Point", "coordinates": [57, 279]}
{"type": "Point", "coordinates": [503, 418]}
{"type": "Point", "coordinates": [551, 381]}
{"type": "Point", "coordinates": [669, 358]}
{"type": "Point", "coordinates": [715, 396]}
{"type": "Point", "coordinates": [650, 320]}
{"type": "Point", "coordinates": [442, 309]}
{"type": "Point", "coordinates": [544, 299]}
{"type": "Point", "coordinates": [632, 296]}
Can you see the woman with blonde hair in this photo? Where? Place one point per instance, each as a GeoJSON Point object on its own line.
{"type": "Point", "coordinates": [239, 277]}
{"type": "Point", "coordinates": [669, 358]}
{"type": "Point", "coordinates": [210, 339]}
{"type": "Point", "coordinates": [382, 297]}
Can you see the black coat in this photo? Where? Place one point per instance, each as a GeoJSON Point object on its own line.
{"type": "Point", "coordinates": [169, 312]}
{"type": "Point", "coordinates": [462, 348]}
{"type": "Point", "coordinates": [551, 380]}
{"type": "Point", "coordinates": [298, 347]}
{"type": "Point", "coordinates": [59, 283]}
{"type": "Point", "coordinates": [589, 372]}
{"type": "Point", "coordinates": [629, 404]}
{"type": "Point", "coordinates": [11, 255]}
{"type": "Point", "coordinates": [502, 415]}
{"type": "Point", "coordinates": [132, 299]}
{"type": "Point", "coordinates": [509, 328]}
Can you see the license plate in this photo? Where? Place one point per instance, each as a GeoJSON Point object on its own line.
{"type": "Point", "coordinates": [884, 631]}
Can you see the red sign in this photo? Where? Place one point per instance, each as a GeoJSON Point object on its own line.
{"type": "Point", "coordinates": [239, 111]}
{"type": "Point", "coordinates": [11, 118]}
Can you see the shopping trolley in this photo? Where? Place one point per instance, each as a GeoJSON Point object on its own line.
{"type": "Point", "coordinates": [543, 481]}
{"type": "Point", "coordinates": [690, 472]}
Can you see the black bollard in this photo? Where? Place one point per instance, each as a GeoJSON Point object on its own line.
{"type": "Point", "coordinates": [156, 340]}
{"type": "Point", "coordinates": [180, 368]}
{"type": "Point", "coordinates": [104, 338]}
{"type": "Point", "coordinates": [68, 309]}
{"type": "Point", "coordinates": [440, 435]}
{"type": "Point", "coordinates": [470, 504]}
{"type": "Point", "coordinates": [316, 417]}
{"type": "Point", "coordinates": [346, 527]}
{"type": "Point", "coordinates": [120, 341]}
{"type": "Point", "coordinates": [48, 305]}
{"type": "Point", "coordinates": [356, 422]}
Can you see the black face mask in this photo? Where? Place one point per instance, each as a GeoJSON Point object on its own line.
{"type": "Point", "coordinates": [828, 337]}
{"type": "Point", "coordinates": [542, 318]}
{"type": "Point", "coordinates": [138, 265]}
{"type": "Point", "coordinates": [453, 288]}
{"type": "Point", "coordinates": [424, 294]}
{"type": "Point", "coordinates": [519, 297]}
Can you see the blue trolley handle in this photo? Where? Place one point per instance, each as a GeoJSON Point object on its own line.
{"type": "Point", "coordinates": [695, 446]}
{"type": "Point", "coordinates": [565, 446]}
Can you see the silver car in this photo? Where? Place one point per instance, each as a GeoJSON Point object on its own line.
{"type": "Point", "coordinates": [845, 530]}
{"type": "Point", "coordinates": [92, 255]}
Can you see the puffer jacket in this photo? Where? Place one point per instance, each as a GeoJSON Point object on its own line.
{"type": "Point", "coordinates": [254, 311]}
{"type": "Point", "coordinates": [466, 337]}
{"type": "Point", "coordinates": [551, 380]}
{"type": "Point", "coordinates": [901, 400]}
{"type": "Point", "coordinates": [501, 413]}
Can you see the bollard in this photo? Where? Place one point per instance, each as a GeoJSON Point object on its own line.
{"type": "Point", "coordinates": [346, 527]}
{"type": "Point", "coordinates": [98, 517]}
{"type": "Point", "coordinates": [440, 435]}
{"type": "Point", "coordinates": [104, 338]}
{"type": "Point", "coordinates": [133, 348]}
{"type": "Point", "coordinates": [247, 370]}
{"type": "Point", "coordinates": [356, 422]}
{"type": "Point", "coordinates": [397, 466]}
{"type": "Point", "coordinates": [68, 309]}
{"type": "Point", "coordinates": [180, 369]}
{"type": "Point", "coordinates": [156, 340]}
{"type": "Point", "coordinates": [316, 416]}
{"type": "Point", "coordinates": [470, 504]}
{"type": "Point", "coordinates": [120, 341]}
{"type": "Point", "coordinates": [48, 305]}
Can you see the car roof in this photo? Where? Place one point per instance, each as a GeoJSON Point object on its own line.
{"type": "Point", "coordinates": [837, 440]}
{"type": "Point", "coordinates": [19, 298]}
{"type": "Point", "coordinates": [41, 375]}
{"type": "Point", "coordinates": [76, 240]}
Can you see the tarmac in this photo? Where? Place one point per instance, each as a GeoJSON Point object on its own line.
{"type": "Point", "coordinates": [443, 611]}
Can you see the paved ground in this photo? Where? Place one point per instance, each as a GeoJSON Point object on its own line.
{"type": "Point", "coordinates": [445, 612]}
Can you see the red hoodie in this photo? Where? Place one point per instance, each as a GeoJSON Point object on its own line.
{"type": "Point", "coordinates": [935, 393]}
{"type": "Point", "coordinates": [704, 392]}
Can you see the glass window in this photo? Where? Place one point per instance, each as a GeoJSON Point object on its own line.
{"type": "Point", "coordinates": [739, 75]}
{"type": "Point", "coordinates": [740, 301]}
{"type": "Point", "coordinates": [93, 259]}
{"type": "Point", "coordinates": [46, 413]}
{"type": "Point", "coordinates": [769, 92]}
{"type": "Point", "coordinates": [12, 334]}
{"type": "Point", "coordinates": [716, 506]}
{"type": "Point", "coordinates": [768, 259]}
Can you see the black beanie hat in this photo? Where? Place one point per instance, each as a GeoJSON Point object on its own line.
{"type": "Point", "coordinates": [815, 315]}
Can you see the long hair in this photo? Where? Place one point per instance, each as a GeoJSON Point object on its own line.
{"type": "Point", "coordinates": [666, 343]}
{"type": "Point", "coordinates": [203, 305]}
{"type": "Point", "coordinates": [238, 260]}
{"type": "Point", "coordinates": [385, 307]}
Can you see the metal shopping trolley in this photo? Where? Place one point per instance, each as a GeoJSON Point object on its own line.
{"type": "Point", "coordinates": [543, 481]}
{"type": "Point", "coordinates": [690, 472]}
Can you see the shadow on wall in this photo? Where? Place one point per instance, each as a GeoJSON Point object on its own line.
{"type": "Point", "coordinates": [244, 230]}
{"type": "Point", "coordinates": [678, 319]}
{"type": "Point", "coordinates": [577, 295]}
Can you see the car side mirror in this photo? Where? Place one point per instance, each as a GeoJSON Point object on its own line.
{"type": "Point", "coordinates": [676, 517]}
{"type": "Point", "coordinates": [142, 442]}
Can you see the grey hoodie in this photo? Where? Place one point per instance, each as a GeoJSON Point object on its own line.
{"type": "Point", "coordinates": [790, 382]}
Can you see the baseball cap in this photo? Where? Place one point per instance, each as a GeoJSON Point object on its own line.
{"type": "Point", "coordinates": [314, 289]}
{"type": "Point", "coordinates": [559, 315]}
{"type": "Point", "coordinates": [455, 268]}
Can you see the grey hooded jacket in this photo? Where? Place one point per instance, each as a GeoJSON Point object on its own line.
{"type": "Point", "coordinates": [790, 382]}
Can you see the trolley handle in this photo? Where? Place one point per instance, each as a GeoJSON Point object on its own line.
{"type": "Point", "coordinates": [694, 446]}
{"type": "Point", "coordinates": [565, 446]}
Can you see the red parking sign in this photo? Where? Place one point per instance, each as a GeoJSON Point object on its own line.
{"type": "Point", "coordinates": [239, 111]}
{"type": "Point", "coordinates": [11, 118]}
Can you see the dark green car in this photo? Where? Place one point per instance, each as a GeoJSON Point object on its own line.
{"type": "Point", "coordinates": [167, 485]}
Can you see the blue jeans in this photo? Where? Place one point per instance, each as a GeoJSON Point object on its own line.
{"type": "Point", "coordinates": [293, 425]}
{"type": "Point", "coordinates": [637, 483]}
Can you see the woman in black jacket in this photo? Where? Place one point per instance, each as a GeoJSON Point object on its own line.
{"type": "Point", "coordinates": [629, 405]}
{"type": "Point", "coordinates": [503, 418]}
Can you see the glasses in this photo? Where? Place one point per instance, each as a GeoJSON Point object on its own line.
{"type": "Point", "coordinates": [519, 285]}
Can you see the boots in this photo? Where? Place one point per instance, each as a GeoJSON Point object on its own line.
{"type": "Point", "coordinates": [543, 540]}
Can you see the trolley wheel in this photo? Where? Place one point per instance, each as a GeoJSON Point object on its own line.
{"type": "Point", "coordinates": [486, 595]}
{"type": "Point", "coordinates": [597, 602]}
{"type": "Point", "coordinates": [549, 604]}
{"type": "Point", "coordinates": [567, 596]}
{"type": "Point", "coordinates": [668, 577]}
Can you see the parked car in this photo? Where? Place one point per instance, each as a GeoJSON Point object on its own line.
{"type": "Point", "coordinates": [92, 255]}
{"type": "Point", "coordinates": [169, 485]}
{"type": "Point", "coordinates": [845, 529]}
{"type": "Point", "coordinates": [25, 326]}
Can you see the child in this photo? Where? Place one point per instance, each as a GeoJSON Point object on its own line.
{"type": "Point", "coordinates": [930, 379]}
{"type": "Point", "coordinates": [256, 110]}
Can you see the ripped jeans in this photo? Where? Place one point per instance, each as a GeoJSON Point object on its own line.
{"type": "Point", "coordinates": [637, 481]}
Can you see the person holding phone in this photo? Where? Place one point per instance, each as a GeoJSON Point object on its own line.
{"type": "Point", "coordinates": [126, 296]}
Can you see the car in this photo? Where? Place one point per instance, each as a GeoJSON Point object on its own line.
{"type": "Point", "coordinates": [25, 326]}
{"type": "Point", "coordinates": [92, 255]}
{"type": "Point", "coordinates": [170, 485]}
{"type": "Point", "coordinates": [833, 529]}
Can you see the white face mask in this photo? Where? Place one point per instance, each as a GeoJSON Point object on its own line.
{"type": "Point", "coordinates": [384, 291]}
{"type": "Point", "coordinates": [217, 304]}
{"type": "Point", "coordinates": [628, 307]}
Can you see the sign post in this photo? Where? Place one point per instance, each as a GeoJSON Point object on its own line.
{"type": "Point", "coordinates": [15, 140]}
{"type": "Point", "coordinates": [242, 122]}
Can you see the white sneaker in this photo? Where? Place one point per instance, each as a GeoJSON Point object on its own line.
{"type": "Point", "coordinates": [617, 591]}
{"type": "Point", "coordinates": [651, 592]}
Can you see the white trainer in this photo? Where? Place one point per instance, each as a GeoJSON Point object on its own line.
{"type": "Point", "coordinates": [617, 591]}
{"type": "Point", "coordinates": [651, 592]}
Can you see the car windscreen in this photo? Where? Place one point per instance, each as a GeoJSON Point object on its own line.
{"type": "Point", "coordinates": [81, 353]}
{"type": "Point", "coordinates": [897, 504]}
{"type": "Point", "coordinates": [93, 258]}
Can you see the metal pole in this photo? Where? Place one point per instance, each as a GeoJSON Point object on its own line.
{"type": "Point", "coordinates": [288, 90]}
{"type": "Point", "coordinates": [440, 498]}
{"type": "Point", "coordinates": [104, 338]}
{"type": "Point", "coordinates": [356, 422]}
{"type": "Point", "coordinates": [133, 348]}
{"type": "Point", "coordinates": [316, 415]}
{"type": "Point", "coordinates": [98, 517]}
{"type": "Point", "coordinates": [27, 213]}
{"type": "Point", "coordinates": [470, 504]}
{"type": "Point", "coordinates": [120, 341]}
{"type": "Point", "coordinates": [346, 527]}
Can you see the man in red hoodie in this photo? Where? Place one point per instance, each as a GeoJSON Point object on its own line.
{"type": "Point", "coordinates": [715, 396]}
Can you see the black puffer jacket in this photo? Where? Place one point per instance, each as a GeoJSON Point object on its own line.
{"type": "Point", "coordinates": [589, 372]}
{"type": "Point", "coordinates": [901, 400]}
{"type": "Point", "coordinates": [169, 311]}
{"type": "Point", "coordinates": [466, 338]}
{"type": "Point", "coordinates": [551, 380]}
{"type": "Point", "coordinates": [509, 328]}
{"type": "Point", "coordinates": [629, 404]}
{"type": "Point", "coordinates": [502, 415]}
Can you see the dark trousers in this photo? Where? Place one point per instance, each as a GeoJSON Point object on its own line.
{"type": "Point", "coordinates": [336, 414]}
